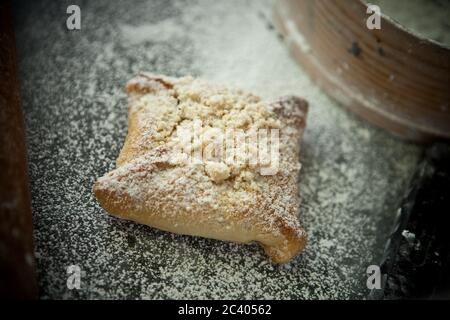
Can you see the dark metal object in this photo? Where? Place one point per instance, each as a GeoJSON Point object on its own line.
{"type": "Point", "coordinates": [416, 263]}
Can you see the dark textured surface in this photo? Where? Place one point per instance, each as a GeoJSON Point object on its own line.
{"type": "Point", "coordinates": [416, 262]}
{"type": "Point", "coordinates": [72, 84]}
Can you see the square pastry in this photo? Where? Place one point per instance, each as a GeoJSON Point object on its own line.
{"type": "Point", "coordinates": [204, 160]}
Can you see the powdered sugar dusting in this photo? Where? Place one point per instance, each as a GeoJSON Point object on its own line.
{"type": "Point", "coordinates": [352, 176]}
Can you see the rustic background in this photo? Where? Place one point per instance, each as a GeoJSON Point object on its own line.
{"type": "Point", "coordinates": [72, 83]}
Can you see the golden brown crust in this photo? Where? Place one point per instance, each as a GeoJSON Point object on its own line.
{"type": "Point", "coordinates": [208, 198]}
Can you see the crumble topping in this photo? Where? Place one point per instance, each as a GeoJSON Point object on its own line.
{"type": "Point", "coordinates": [226, 130]}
